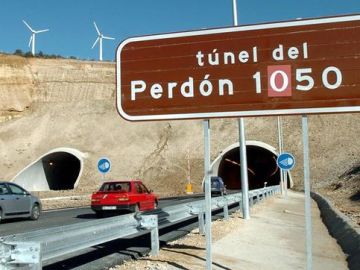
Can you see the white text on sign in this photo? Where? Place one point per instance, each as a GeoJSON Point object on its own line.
{"type": "Point", "coordinates": [278, 76]}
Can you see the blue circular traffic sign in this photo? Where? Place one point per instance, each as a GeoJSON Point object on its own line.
{"type": "Point", "coordinates": [286, 161]}
{"type": "Point", "coordinates": [104, 165]}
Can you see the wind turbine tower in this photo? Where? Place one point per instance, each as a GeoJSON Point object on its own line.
{"type": "Point", "coordinates": [33, 35]}
{"type": "Point", "coordinates": [100, 39]}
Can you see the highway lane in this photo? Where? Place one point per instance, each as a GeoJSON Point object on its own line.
{"type": "Point", "coordinates": [62, 217]}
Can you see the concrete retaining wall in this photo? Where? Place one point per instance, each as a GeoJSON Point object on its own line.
{"type": "Point", "coordinates": [342, 229]}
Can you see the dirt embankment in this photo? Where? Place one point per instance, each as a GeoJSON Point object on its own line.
{"type": "Point", "coordinates": [344, 193]}
{"type": "Point", "coordinates": [46, 104]}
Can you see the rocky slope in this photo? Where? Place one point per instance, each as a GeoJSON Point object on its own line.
{"type": "Point", "coordinates": [45, 104]}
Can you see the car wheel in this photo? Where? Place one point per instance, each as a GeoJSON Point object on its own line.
{"type": "Point", "coordinates": [35, 212]}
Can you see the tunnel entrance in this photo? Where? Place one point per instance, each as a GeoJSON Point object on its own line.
{"type": "Point", "coordinates": [59, 169]}
{"type": "Point", "coordinates": [262, 167]}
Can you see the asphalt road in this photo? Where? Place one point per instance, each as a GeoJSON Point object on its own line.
{"type": "Point", "coordinates": [63, 217]}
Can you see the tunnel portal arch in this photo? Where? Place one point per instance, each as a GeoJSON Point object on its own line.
{"type": "Point", "coordinates": [58, 169]}
{"type": "Point", "coordinates": [262, 167]}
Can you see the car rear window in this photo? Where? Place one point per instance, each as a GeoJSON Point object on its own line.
{"type": "Point", "coordinates": [116, 186]}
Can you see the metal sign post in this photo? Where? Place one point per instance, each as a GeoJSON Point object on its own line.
{"type": "Point", "coordinates": [235, 13]}
{"type": "Point", "coordinates": [280, 151]}
{"type": "Point", "coordinates": [207, 193]}
{"type": "Point", "coordinates": [243, 169]}
{"type": "Point", "coordinates": [242, 144]}
{"type": "Point", "coordinates": [284, 172]}
{"type": "Point", "coordinates": [308, 229]}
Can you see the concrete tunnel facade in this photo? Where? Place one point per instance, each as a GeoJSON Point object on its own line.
{"type": "Point", "coordinates": [61, 168]}
{"type": "Point", "coordinates": [58, 169]}
{"type": "Point", "coordinates": [262, 167]}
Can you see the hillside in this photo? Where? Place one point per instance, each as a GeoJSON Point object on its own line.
{"type": "Point", "coordinates": [51, 103]}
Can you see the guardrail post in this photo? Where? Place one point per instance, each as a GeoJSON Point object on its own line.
{"type": "Point", "coordinates": [155, 246]}
{"type": "Point", "coordinates": [251, 200]}
{"type": "Point", "coordinates": [20, 255]}
{"type": "Point", "coordinates": [222, 202]}
{"type": "Point", "coordinates": [150, 222]}
{"type": "Point", "coordinates": [201, 223]}
{"type": "Point", "coordinates": [200, 213]}
{"type": "Point", "coordinates": [226, 208]}
{"type": "Point", "coordinates": [226, 212]}
{"type": "Point", "coordinates": [240, 203]}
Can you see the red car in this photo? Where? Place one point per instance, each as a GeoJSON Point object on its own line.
{"type": "Point", "coordinates": [129, 195]}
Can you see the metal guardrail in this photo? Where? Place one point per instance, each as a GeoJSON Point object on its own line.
{"type": "Point", "coordinates": [31, 250]}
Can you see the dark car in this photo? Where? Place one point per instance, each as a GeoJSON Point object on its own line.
{"type": "Point", "coordinates": [16, 202]}
{"type": "Point", "coordinates": [217, 185]}
{"type": "Point", "coordinates": [130, 195]}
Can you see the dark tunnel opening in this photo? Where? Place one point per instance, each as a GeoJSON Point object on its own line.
{"type": "Point", "coordinates": [262, 168]}
{"type": "Point", "coordinates": [61, 170]}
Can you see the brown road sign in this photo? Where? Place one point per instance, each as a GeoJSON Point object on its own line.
{"type": "Point", "coordinates": [296, 67]}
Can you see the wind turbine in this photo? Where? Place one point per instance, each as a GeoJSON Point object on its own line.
{"type": "Point", "coordinates": [99, 39]}
{"type": "Point", "coordinates": [33, 35]}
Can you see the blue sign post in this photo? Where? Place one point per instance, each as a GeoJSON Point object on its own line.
{"type": "Point", "coordinates": [104, 166]}
{"type": "Point", "coordinates": [286, 161]}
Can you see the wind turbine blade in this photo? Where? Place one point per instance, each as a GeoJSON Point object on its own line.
{"type": "Point", "coordinates": [97, 29]}
{"type": "Point", "coordinates": [105, 37]}
{"type": "Point", "coordinates": [28, 26]}
{"type": "Point", "coordinates": [96, 41]}
{"type": "Point", "coordinates": [41, 31]}
{"type": "Point", "coordinates": [31, 38]}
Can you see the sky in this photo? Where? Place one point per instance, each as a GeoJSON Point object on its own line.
{"type": "Point", "coordinates": [72, 32]}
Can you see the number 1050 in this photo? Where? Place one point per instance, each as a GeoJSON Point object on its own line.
{"type": "Point", "coordinates": [279, 79]}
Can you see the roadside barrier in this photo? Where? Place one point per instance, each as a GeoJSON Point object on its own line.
{"type": "Point", "coordinates": [32, 250]}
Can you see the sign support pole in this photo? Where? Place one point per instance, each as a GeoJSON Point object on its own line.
{"type": "Point", "coordinates": [280, 151]}
{"type": "Point", "coordinates": [235, 13]}
{"type": "Point", "coordinates": [207, 193]}
{"type": "Point", "coordinates": [284, 172]}
{"type": "Point", "coordinates": [244, 173]}
{"type": "Point", "coordinates": [308, 229]}
{"type": "Point", "coordinates": [242, 144]}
